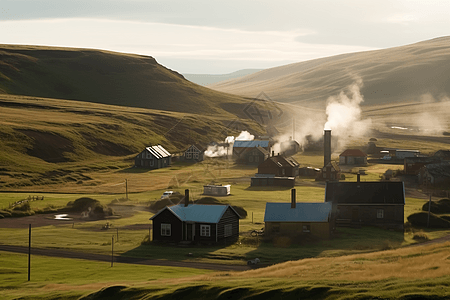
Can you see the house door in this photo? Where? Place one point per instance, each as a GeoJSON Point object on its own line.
{"type": "Point", "coordinates": [355, 215]}
{"type": "Point", "coordinates": [190, 232]}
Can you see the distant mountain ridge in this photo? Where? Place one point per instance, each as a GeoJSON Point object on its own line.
{"type": "Point", "coordinates": [108, 78]}
{"type": "Point", "coordinates": [206, 79]}
{"type": "Point", "coordinates": [397, 74]}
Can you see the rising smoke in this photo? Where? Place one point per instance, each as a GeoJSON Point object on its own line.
{"type": "Point", "coordinates": [227, 147]}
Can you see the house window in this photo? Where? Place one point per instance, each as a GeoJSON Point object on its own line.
{"type": "Point", "coordinates": [205, 230]}
{"type": "Point", "coordinates": [380, 213]}
{"type": "Point", "coordinates": [151, 163]}
{"type": "Point", "coordinates": [228, 230]}
{"type": "Point", "coordinates": [196, 155]}
{"type": "Point", "coordinates": [166, 229]}
{"type": "Point", "coordinates": [306, 228]}
{"type": "Point", "coordinates": [188, 155]}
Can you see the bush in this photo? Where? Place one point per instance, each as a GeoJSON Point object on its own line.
{"type": "Point", "coordinates": [82, 204]}
{"type": "Point", "coordinates": [441, 206]}
{"type": "Point", "coordinates": [5, 213]}
{"type": "Point", "coordinates": [25, 206]}
{"type": "Point", "coordinates": [420, 236]}
{"type": "Point", "coordinates": [420, 220]}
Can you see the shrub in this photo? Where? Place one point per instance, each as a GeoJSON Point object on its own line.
{"type": "Point", "coordinates": [82, 204]}
{"type": "Point", "coordinates": [420, 236]}
{"type": "Point", "coordinates": [342, 176]}
{"type": "Point", "coordinates": [25, 206]}
{"type": "Point", "coordinates": [5, 213]}
{"type": "Point", "coordinates": [420, 219]}
{"type": "Point", "coordinates": [441, 206]}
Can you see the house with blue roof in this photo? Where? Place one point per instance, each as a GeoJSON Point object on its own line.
{"type": "Point", "coordinates": [296, 219]}
{"type": "Point", "coordinates": [196, 223]}
{"type": "Point", "coordinates": [251, 152]}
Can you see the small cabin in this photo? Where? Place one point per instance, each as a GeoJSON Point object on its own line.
{"type": "Point", "coordinates": [353, 157]}
{"type": "Point", "coordinates": [217, 190]}
{"type": "Point", "coordinates": [153, 157]}
{"type": "Point", "coordinates": [240, 147]}
{"type": "Point", "coordinates": [193, 154]}
{"type": "Point", "coordinates": [279, 166]}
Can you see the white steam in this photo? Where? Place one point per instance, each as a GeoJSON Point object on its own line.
{"type": "Point", "coordinates": [227, 148]}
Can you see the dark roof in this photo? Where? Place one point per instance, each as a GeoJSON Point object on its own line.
{"type": "Point", "coordinates": [334, 165]}
{"type": "Point", "coordinates": [303, 212]}
{"type": "Point", "coordinates": [262, 150]}
{"type": "Point", "coordinates": [198, 146]}
{"type": "Point", "coordinates": [443, 153]}
{"type": "Point", "coordinates": [353, 152]}
{"type": "Point", "coordinates": [376, 192]}
{"type": "Point", "coordinates": [282, 161]}
{"type": "Point", "coordinates": [441, 169]}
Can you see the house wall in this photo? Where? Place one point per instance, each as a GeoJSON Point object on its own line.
{"type": "Point", "coordinates": [193, 154]}
{"type": "Point", "coordinates": [205, 239]}
{"type": "Point", "coordinates": [393, 215]}
{"type": "Point", "coordinates": [352, 160]}
{"type": "Point", "coordinates": [253, 157]}
{"type": "Point", "coordinates": [146, 160]}
{"type": "Point", "coordinates": [167, 217]}
{"type": "Point", "coordinates": [269, 167]}
{"type": "Point", "coordinates": [229, 217]}
{"type": "Point", "coordinates": [317, 229]}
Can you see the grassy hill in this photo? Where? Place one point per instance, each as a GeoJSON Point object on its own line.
{"type": "Point", "coordinates": [206, 79]}
{"type": "Point", "coordinates": [390, 75]}
{"type": "Point", "coordinates": [108, 78]}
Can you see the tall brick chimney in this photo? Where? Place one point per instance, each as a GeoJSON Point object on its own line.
{"type": "Point", "coordinates": [293, 198]}
{"type": "Point", "coordinates": [326, 147]}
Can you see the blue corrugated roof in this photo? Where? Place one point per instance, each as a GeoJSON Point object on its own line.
{"type": "Point", "coordinates": [198, 212]}
{"type": "Point", "coordinates": [251, 144]}
{"type": "Point", "coordinates": [303, 212]}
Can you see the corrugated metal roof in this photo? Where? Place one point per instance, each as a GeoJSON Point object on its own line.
{"type": "Point", "coordinates": [158, 151]}
{"type": "Point", "coordinates": [197, 212]}
{"type": "Point", "coordinates": [251, 144]}
{"type": "Point", "coordinates": [303, 212]}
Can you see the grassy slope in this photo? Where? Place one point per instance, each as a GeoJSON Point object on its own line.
{"type": "Point", "coordinates": [108, 78]}
{"type": "Point", "coordinates": [390, 75]}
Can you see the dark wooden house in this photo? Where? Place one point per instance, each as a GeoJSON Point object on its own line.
{"type": "Point", "coordinates": [412, 165]}
{"type": "Point", "coordinates": [330, 171]}
{"type": "Point", "coordinates": [378, 203]}
{"type": "Point", "coordinates": [435, 175]}
{"type": "Point", "coordinates": [353, 157]}
{"type": "Point", "coordinates": [241, 147]}
{"type": "Point", "coordinates": [153, 157]}
{"type": "Point", "coordinates": [194, 153]}
{"type": "Point", "coordinates": [279, 166]}
{"type": "Point", "coordinates": [297, 219]}
{"type": "Point", "coordinates": [253, 156]}
{"type": "Point", "coordinates": [196, 223]}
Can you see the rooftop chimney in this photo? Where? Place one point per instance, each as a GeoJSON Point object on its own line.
{"type": "Point", "coordinates": [186, 197]}
{"type": "Point", "coordinates": [326, 147]}
{"type": "Point", "coordinates": [273, 153]}
{"type": "Point", "coordinates": [293, 200]}
{"type": "Point", "coordinates": [358, 177]}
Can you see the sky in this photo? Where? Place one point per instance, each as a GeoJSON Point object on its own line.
{"type": "Point", "coordinates": [218, 37]}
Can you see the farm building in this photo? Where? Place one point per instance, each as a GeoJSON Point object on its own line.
{"type": "Point", "coordinates": [435, 174]}
{"type": "Point", "coordinates": [279, 166]}
{"type": "Point", "coordinates": [153, 157]}
{"type": "Point", "coordinates": [402, 154]}
{"type": "Point", "coordinates": [308, 172]}
{"type": "Point", "coordinates": [353, 157]}
{"type": "Point", "coordinates": [296, 219]}
{"type": "Point", "coordinates": [240, 147]}
{"type": "Point", "coordinates": [367, 203]}
{"type": "Point", "coordinates": [442, 154]}
{"type": "Point", "coordinates": [272, 180]}
{"type": "Point", "coordinates": [196, 223]}
{"type": "Point", "coordinates": [253, 156]}
{"type": "Point", "coordinates": [217, 190]}
{"type": "Point", "coordinates": [193, 153]}
{"type": "Point", "coordinates": [412, 165]}
{"type": "Point", "coordinates": [330, 171]}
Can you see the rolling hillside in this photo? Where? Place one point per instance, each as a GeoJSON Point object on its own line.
{"type": "Point", "coordinates": [108, 78]}
{"type": "Point", "coordinates": [206, 79]}
{"type": "Point", "coordinates": [390, 75]}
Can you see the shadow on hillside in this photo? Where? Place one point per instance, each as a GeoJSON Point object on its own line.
{"type": "Point", "coordinates": [135, 170]}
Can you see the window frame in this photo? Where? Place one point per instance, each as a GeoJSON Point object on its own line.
{"type": "Point", "coordinates": [166, 229]}
{"type": "Point", "coordinates": [205, 230]}
{"type": "Point", "coordinates": [380, 213]}
{"type": "Point", "coordinates": [227, 230]}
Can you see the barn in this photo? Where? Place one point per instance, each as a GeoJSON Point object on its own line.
{"type": "Point", "coordinates": [279, 166]}
{"type": "Point", "coordinates": [353, 157]}
{"type": "Point", "coordinates": [367, 203]}
{"type": "Point", "coordinates": [297, 219]}
{"type": "Point", "coordinates": [196, 223]}
{"type": "Point", "coordinates": [153, 157]}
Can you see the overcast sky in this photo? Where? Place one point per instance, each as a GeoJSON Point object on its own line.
{"type": "Point", "coordinates": [216, 37]}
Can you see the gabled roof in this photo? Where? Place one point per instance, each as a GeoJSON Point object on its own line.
{"type": "Point", "coordinates": [303, 212]}
{"type": "Point", "coordinates": [198, 146]}
{"type": "Point", "coordinates": [353, 152]}
{"type": "Point", "coordinates": [365, 192]}
{"type": "Point", "coordinates": [158, 151]}
{"type": "Point", "coordinates": [283, 162]}
{"type": "Point", "coordinates": [251, 144]}
{"type": "Point", "coordinates": [199, 213]}
{"type": "Point", "coordinates": [334, 165]}
{"type": "Point", "coordinates": [440, 169]}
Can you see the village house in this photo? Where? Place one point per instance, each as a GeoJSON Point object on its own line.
{"type": "Point", "coordinates": [298, 219]}
{"type": "Point", "coordinates": [194, 153]}
{"type": "Point", "coordinates": [240, 147]}
{"type": "Point", "coordinates": [367, 203]}
{"type": "Point", "coordinates": [196, 223]}
{"type": "Point", "coordinates": [279, 166]}
{"type": "Point", "coordinates": [353, 157]}
{"type": "Point", "coordinates": [412, 165]}
{"type": "Point", "coordinates": [153, 157]}
{"type": "Point", "coordinates": [253, 156]}
{"type": "Point", "coordinates": [435, 175]}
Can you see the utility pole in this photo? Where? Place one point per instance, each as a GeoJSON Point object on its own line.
{"type": "Point", "coordinates": [126, 188]}
{"type": "Point", "coordinates": [429, 211]}
{"type": "Point", "coordinates": [112, 251]}
{"type": "Point", "coordinates": [29, 253]}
